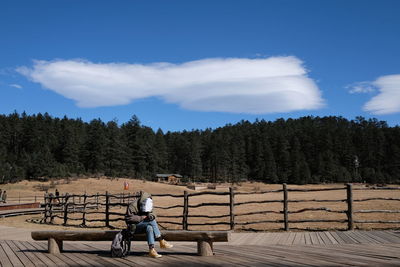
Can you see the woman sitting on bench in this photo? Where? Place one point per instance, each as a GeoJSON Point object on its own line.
{"type": "Point", "coordinates": [141, 219]}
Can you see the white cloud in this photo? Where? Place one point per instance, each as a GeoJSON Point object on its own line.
{"type": "Point", "coordinates": [388, 99]}
{"type": "Point", "coordinates": [16, 85]}
{"type": "Point", "coordinates": [240, 85]}
{"type": "Point", "coordinates": [361, 88]}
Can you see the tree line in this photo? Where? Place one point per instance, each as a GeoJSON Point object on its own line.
{"type": "Point", "coordinates": [305, 150]}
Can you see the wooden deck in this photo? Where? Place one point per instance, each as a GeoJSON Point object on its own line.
{"type": "Point", "coordinates": [17, 212]}
{"type": "Point", "coordinates": [347, 248]}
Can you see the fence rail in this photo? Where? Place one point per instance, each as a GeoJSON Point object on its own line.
{"type": "Point", "coordinates": [63, 207]}
{"type": "Point", "coordinates": [23, 199]}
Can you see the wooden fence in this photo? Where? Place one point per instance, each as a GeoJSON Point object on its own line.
{"type": "Point", "coordinates": [25, 199]}
{"type": "Point", "coordinates": [104, 206]}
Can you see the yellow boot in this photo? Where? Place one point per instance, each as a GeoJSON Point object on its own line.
{"type": "Point", "coordinates": [153, 253]}
{"type": "Point", "coordinates": [165, 244]}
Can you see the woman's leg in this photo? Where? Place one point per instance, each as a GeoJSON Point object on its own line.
{"type": "Point", "coordinates": [156, 230]}
{"type": "Point", "coordinates": [158, 237]}
{"type": "Point", "coordinates": [146, 227]}
{"type": "Point", "coordinates": [150, 235]}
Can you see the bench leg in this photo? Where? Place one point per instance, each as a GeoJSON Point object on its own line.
{"type": "Point", "coordinates": [55, 246]}
{"type": "Point", "coordinates": [205, 248]}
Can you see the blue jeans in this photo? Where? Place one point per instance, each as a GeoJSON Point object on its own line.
{"type": "Point", "coordinates": [151, 230]}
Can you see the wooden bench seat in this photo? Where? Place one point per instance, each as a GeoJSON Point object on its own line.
{"type": "Point", "coordinates": [204, 239]}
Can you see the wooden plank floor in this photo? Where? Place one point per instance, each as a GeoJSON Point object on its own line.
{"type": "Point", "coordinates": [316, 238]}
{"type": "Point", "coordinates": [347, 248]}
{"type": "Point", "coordinates": [13, 233]}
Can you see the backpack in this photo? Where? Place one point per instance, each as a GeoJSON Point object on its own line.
{"type": "Point", "coordinates": [119, 246]}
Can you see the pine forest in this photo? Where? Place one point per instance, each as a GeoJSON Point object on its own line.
{"type": "Point", "coordinates": [296, 151]}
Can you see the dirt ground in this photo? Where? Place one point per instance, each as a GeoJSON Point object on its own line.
{"type": "Point", "coordinates": [26, 191]}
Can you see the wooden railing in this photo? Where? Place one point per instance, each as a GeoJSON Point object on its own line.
{"type": "Point", "coordinates": [62, 206]}
{"type": "Point", "coordinates": [352, 221]}
{"type": "Point", "coordinates": [25, 199]}
{"type": "Point", "coordinates": [105, 205]}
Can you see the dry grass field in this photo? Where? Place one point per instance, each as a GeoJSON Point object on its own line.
{"type": "Point", "coordinates": [100, 185]}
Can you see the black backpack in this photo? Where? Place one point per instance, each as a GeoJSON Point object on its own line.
{"type": "Point", "coordinates": [121, 244]}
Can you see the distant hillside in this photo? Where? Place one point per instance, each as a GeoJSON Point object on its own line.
{"type": "Point", "coordinates": [304, 150]}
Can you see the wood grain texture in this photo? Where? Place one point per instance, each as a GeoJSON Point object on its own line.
{"type": "Point", "coordinates": [214, 236]}
{"type": "Point", "coordinates": [335, 248]}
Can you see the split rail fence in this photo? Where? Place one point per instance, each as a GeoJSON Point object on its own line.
{"type": "Point", "coordinates": [110, 208]}
{"type": "Point", "coordinates": [24, 199]}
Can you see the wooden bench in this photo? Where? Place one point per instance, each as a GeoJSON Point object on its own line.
{"type": "Point", "coordinates": [204, 239]}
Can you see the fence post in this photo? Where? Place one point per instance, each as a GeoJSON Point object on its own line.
{"type": "Point", "coordinates": [73, 201]}
{"type": "Point", "coordinates": [51, 218]}
{"type": "Point", "coordinates": [350, 222]}
{"type": "Point", "coordinates": [51, 209]}
{"type": "Point", "coordinates": [66, 210]}
{"type": "Point", "coordinates": [185, 210]}
{"type": "Point", "coordinates": [46, 208]}
{"type": "Point", "coordinates": [84, 210]}
{"type": "Point", "coordinates": [285, 207]}
{"type": "Point", "coordinates": [232, 207]}
{"type": "Point", "coordinates": [97, 200]}
{"type": "Point", "coordinates": [107, 210]}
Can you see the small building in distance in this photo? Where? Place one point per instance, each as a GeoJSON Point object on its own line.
{"type": "Point", "coordinates": [168, 178]}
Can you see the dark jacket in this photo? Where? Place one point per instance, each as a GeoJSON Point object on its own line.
{"type": "Point", "coordinates": [133, 214]}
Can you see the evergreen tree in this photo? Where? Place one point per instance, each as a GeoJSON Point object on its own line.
{"type": "Point", "coordinates": [94, 148]}
{"type": "Point", "coordinates": [296, 162]}
{"type": "Point", "coordinates": [194, 158]}
{"type": "Point", "coordinates": [270, 165]}
{"type": "Point", "coordinates": [135, 153]}
{"type": "Point", "coordinates": [67, 152]}
{"type": "Point", "coordinates": [237, 167]}
{"type": "Point", "coordinates": [283, 159]}
{"type": "Point", "coordinates": [160, 152]}
{"type": "Point", "coordinates": [114, 150]}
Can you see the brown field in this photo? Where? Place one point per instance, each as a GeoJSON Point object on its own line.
{"type": "Point", "coordinates": [26, 190]}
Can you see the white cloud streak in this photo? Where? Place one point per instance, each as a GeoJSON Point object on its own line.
{"type": "Point", "coordinates": [16, 86]}
{"type": "Point", "coordinates": [238, 85]}
{"type": "Point", "coordinates": [361, 88]}
{"type": "Point", "coordinates": [388, 99]}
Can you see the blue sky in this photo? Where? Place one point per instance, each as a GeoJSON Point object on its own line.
{"type": "Point", "coordinates": [196, 64]}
